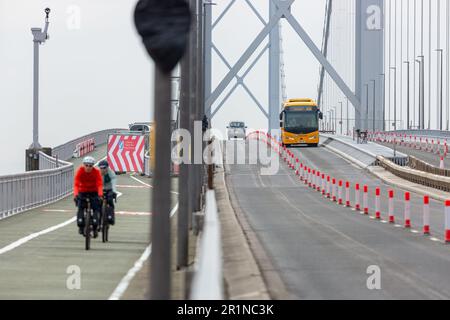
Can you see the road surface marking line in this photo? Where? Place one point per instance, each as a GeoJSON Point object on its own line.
{"type": "Point", "coordinates": [414, 231]}
{"type": "Point", "coordinates": [126, 280]}
{"type": "Point", "coordinates": [32, 236]}
{"type": "Point", "coordinates": [130, 186]}
{"type": "Point", "coordinates": [384, 221]}
{"type": "Point", "coordinates": [397, 226]}
{"type": "Point", "coordinates": [146, 184]}
{"type": "Point", "coordinates": [434, 239]}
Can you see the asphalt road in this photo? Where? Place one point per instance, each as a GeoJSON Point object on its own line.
{"type": "Point", "coordinates": [40, 266]}
{"type": "Point", "coordinates": [322, 250]}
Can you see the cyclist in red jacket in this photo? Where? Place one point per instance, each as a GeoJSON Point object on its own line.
{"type": "Point", "coordinates": [88, 184]}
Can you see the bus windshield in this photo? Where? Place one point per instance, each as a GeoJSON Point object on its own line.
{"type": "Point", "coordinates": [301, 122]}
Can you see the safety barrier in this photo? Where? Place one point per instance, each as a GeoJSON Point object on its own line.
{"type": "Point", "coordinates": [424, 178]}
{"type": "Point", "coordinates": [29, 190]}
{"type": "Point", "coordinates": [328, 187]}
{"type": "Point", "coordinates": [420, 165]}
{"type": "Point", "coordinates": [66, 150]}
{"type": "Point", "coordinates": [207, 283]}
{"type": "Point", "coordinates": [433, 144]}
{"type": "Point", "coordinates": [84, 148]}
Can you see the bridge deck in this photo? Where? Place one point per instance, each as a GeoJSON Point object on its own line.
{"type": "Point", "coordinates": [322, 250]}
{"type": "Point", "coordinates": [37, 268]}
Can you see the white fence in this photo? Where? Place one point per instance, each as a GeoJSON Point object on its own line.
{"type": "Point", "coordinates": [21, 192]}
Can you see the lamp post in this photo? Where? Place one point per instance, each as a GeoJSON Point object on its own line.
{"type": "Point", "coordinates": [39, 37]}
{"type": "Point", "coordinates": [374, 102]}
{"type": "Point", "coordinates": [348, 119]}
{"type": "Point", "coordinates": [440, 87]}
{"type": "Point", "coordinates": [367, 106]}
{"type": "Point", "coordinates": [340, 122]}
{"type": "Point", "coordinates": [383, 89]}
{"type": "Point", "coordinates": [395, 97]}
{"type": "Point", "coordinates": [421, 93]}
{"type": "Point", "coordinates": [407, 94]}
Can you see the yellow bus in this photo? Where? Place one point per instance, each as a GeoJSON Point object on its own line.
{"type": "Point", "coordinates": [299, 123]}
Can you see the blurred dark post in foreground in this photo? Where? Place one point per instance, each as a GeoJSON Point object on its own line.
{"type": "Point", "coordinates": [164, 27]}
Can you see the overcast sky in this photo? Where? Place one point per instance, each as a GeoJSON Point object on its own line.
{"type": "Point", "coordinates": [96, 75]}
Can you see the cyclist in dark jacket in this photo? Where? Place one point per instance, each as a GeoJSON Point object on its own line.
{"type": "Point", "coordinates": [109, 187]}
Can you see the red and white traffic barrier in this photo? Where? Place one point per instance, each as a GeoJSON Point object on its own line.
{"type": "Point", "coordinates": [323, 184]}
{"type": "Point", "coordinates": [347, 194]}
{"type": "Point", "coordinates": [296, 171]}
{"type": "Point", "coordinates": [377, 203]}
{"type": "Point", "coordinates": [366, 200]}
{"type": "Point", "coordinates": [441, 163]}
{"type": "Point", "coordinates": [328, 186]}
{"type": "Point", "coordinates": [407, 210]}
{"type": "Point", "coordinates": [391, 206]}
{"type": "Point", "coordinates": [340, 201]}
{"type": "Point", "coordinates": [333, 190]}
{"type": "Point", "coordinates": [309, 177]}
{"type": "Point", "coordinates": [426, 215]}
{"type": "Point", "coordinates": [318, 181]}
{"type": "Point", "coordinates": [357, 205]}
{"type": "Point", "coordinates": [447, 221]}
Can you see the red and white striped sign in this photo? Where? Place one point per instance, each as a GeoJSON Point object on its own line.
{"type": "Point", "coordinates": [126, 153]}
{"type": "Point", "coordinates": [84, 148]}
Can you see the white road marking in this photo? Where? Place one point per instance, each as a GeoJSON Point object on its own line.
{"type": "Point", "coordinates": [146, 184]}
{"type": "Point", "coordinates": [434, 239]}
{"type": "Point", "coordinates": [125, 282]}
{"type": "Point", "coordinates": [397, 226]}
{"type": "Point", "coordinates": [414, 231]}
{"type": "Point", "coordinates": [384, 221]}
{"type": "Point", "coordinates": [32, 236]}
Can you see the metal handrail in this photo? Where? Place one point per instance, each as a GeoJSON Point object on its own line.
{"type": "Point", "coordinates": [207, 283]}
{"type": "Point", "coordinates": [25, 191]}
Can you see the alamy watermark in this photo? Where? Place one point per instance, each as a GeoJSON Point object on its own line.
{"type": "Point", "coordinates": [211, 148]}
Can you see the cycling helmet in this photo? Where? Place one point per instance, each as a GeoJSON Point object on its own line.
{"type": "Point", "coordinates": [103, 164]}
{"type": "Point", "coordinates": [89, 160]}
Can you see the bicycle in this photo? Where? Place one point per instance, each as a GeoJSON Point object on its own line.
{"type": "Point", "coordinates": [106, 209]}
{"type": "Point", "coordinates": [87, 224]}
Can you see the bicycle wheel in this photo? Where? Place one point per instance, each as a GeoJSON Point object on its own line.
{"type": "Point", "coordinates": [87, 229]}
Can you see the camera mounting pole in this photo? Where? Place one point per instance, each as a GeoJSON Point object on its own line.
{"type": "Point", "coordinates": [39, 38]}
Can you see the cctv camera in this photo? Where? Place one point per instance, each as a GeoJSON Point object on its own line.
{"type": "Point", "coordinates": [47, 10]}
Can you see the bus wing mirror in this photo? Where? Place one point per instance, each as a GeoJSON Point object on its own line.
{"type": "Point", "coordinates": [320, 115]}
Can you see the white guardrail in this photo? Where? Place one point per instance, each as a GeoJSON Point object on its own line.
{"type": "Point", "coordinates": [207, 283]}
{"type": "Point", "coordinates": [33, 189]}
{"type": "Point", "coordinates": [52, 182]}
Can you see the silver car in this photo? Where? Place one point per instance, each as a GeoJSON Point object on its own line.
{"type": "Point", "coordinates": [236, 130]}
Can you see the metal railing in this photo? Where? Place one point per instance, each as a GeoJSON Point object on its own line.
{"type": "Point", "coordinates": [29, 190]}
{"type": "Point", "coordinates": [207, 283]}
{"type": "Point", "coordinates": [65, 151]}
